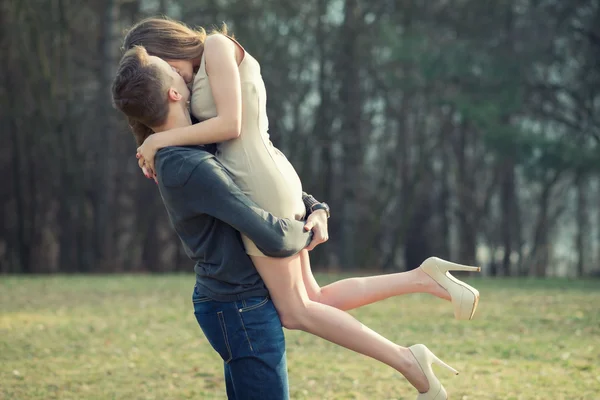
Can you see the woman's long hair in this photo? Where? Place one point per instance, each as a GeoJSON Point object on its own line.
{"type": "Point", "coordinates": [169, 40]}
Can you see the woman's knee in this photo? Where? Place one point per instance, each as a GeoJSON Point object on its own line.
{"type": "Point", "coordinates": [314, 295]}
{"type": "Point", "coordinates": [296, 316]}
{"type": "Point", "coordinates": [289, 321]}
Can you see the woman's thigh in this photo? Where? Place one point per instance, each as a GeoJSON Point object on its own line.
{"type": "Point", "coordinates": [283, 277]}
{"type": "Point", "coordinates": [312, 287]}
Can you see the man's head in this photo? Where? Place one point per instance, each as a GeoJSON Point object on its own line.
{"type": "Point", "coordinates": [147, 89]}
{"type": "Point", "coordinates": [173, 41]}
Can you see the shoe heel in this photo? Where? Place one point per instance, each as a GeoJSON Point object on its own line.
{"type": "Point", "coordinates": [464, 297]}
{"type": "Point", "coordinates": [425, 358]}
{"type": "Point", "coordinates": [443, 364]}
{"type": "Point", "coordinates": [444, 265]}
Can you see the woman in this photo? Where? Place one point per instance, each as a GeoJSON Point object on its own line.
{"type": "Point", "coordinates": [229, 98]}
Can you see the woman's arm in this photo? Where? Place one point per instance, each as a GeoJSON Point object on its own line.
{"type": "Point", "coordinates": [224, 78]}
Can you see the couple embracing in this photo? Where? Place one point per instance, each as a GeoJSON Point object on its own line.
{"type": "Point", "coordinates": [238, 207]}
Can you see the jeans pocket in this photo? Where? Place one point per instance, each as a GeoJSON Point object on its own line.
{"type": "Point", "coordinates": [197, 297]}
{"type": "Point", "coordinates": [261, 325]}
{"type": "Point", "coordinates": [215, 329]}
{"type": "Point", "coordinates": [203, 304]}
{"type": "Point", "coordinates": [197, 300]}
{"type": "Point", "coordinates": [253, 303]}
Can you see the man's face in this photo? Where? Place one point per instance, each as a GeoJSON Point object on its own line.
{"type": "Point", "coordinates": [177, 81]}
{"type": "Point", "coordinates": [185, 68]}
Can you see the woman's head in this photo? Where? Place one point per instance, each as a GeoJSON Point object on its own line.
{"type": "Point", "coordinates": [170, 40]}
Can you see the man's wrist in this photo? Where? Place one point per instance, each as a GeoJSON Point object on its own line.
{"type": "Point", "coordinates": [321, 207]}
{"type": "Point", "coordinates": [309, 202]}
{"type": "Point", "coordinates": [321, 211]}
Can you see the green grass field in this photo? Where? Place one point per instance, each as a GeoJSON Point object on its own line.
{"type": "Point", "coordinates": [135, 337]}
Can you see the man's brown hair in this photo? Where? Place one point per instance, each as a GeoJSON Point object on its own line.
{"type": "Point", "coordinates": [140, 91]}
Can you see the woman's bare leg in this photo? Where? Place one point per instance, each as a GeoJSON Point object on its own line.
{"type": "Point", "coordinates": [284, 280]}
{"type": "Point", "coordinates": [351, 293]}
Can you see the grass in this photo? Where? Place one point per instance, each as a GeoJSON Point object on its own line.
{"type": "Point", "coordinates": [135, 337]}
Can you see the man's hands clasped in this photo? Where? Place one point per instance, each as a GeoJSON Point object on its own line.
{"type": "Point", "coordinates": [317, 222]}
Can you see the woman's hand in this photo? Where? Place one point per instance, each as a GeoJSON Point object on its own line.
{"type": "Point", "coordinates": [147, 152]}
{"type": "Point", "coordinates": [142, 165]}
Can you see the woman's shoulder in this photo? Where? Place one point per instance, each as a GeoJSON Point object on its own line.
{"type": "Point", "coordinates": [220, 47]}
{"type": "Point", "coordinates": [218, 40]}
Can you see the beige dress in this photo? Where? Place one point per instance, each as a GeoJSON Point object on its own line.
{"type": "Point", "coordinates": [262, 172]}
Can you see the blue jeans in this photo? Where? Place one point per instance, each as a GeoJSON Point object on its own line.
{"type": "Point", "coordinates": [248, 336]}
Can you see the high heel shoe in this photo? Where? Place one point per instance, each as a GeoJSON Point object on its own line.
{"type": "Point", "coordinates": [425, 358]}
{"type": "Point", "coordinates": [464, 297]}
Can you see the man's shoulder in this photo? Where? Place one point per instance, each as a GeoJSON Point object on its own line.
{"type": "Point", "coordinates": [176, 164]}
{"type": "Point", "coordinates": [184, 151]}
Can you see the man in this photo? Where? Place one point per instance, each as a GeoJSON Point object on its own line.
{"type": "Point", "coordinates": [208, 212]}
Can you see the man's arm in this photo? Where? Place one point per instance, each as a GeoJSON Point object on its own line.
{"type": "Point", "coordinates": [309, 202]}
{"type": "Point", "coordinates": [210, 190]}
{"type": "Point", "coordinates": [316, 221]}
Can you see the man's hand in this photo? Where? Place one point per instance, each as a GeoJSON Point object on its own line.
{"type": "Point", "coordinates": [317, 222]}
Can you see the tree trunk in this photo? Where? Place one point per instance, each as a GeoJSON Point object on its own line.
{"type": "Point", "coordinates": [582, 225]}
{"type": "Point", "coordinates": [105, 173]}
{"type": "Point", "coordinates": [467, 234]}
{"type": "Point", "coordinates": [324, 183]}
{"type": "Point", "coordinates": [444, 201]}
{"type": "Point", "coordinates": [351, 127]}
{"type": "Point", "coordinates": [508, 207]}
{"type": "Point", "coordinates": [541, 243]}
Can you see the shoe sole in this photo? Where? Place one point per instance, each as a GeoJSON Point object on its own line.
{"type": "Point", "coordinates": [471, 289]}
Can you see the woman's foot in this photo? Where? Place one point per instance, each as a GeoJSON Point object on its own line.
{"type": "Point", "coordinates": [430, 286]}
{"type": "Point", "coordinates": [424, 358]}
{"type": "Point", "coordinates": [413, 372]}
{"type": "Point", "coordinates": [464, 297]}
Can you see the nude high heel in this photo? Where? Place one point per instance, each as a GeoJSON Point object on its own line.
{"type": "Point", "coordinates": [464, 297]}
{"type": "Point", "coordinates": [426, 358]}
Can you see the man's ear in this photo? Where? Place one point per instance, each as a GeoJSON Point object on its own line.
{"type": "Point", "coordinates": [174, 95]}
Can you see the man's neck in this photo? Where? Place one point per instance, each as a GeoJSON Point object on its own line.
{"type": "Point", "coordinates": [179, 117]}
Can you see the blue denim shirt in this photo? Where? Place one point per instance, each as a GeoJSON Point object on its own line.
{"type": "Point", "coordinates": [208, 211]}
